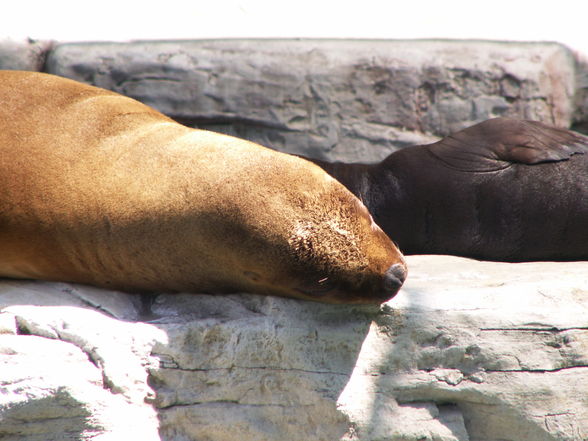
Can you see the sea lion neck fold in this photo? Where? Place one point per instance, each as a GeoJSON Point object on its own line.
{"type": "Point", "coordinates": [100, 189]}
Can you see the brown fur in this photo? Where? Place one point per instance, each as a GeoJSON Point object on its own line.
{"type": "Point", "coordinates": [100, 189]}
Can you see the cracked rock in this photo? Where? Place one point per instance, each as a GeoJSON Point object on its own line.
{"type": "Point", "coordinates": [467, 350]}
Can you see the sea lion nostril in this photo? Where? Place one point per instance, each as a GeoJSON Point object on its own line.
{"type": "Point", "coordinates": [395, 277]}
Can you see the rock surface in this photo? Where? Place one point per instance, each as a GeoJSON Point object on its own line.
{"type": "Point", "coordinates": [346, 100]}
{"type": "Point", "coordinates": [580, 117]}
{"type": "Point", "coordinates": [23, 55]}
{"type": "Point", "coordinates": [467, 351]}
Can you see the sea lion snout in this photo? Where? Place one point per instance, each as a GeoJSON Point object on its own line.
{"type": "Point", "coordinates": [394, 278]}
{"type": "Point", "coordinates": [381, 289]}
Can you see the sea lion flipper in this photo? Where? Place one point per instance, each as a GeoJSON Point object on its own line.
{"type": "Point", "coordinates": [526, 154]}
{"type": "Point", "coordinates": [495, 144]}
{"type": "Point", "coordinates": [541, 143]}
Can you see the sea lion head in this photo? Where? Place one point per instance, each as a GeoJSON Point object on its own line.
{"type": "Point", "coordinates": [344, 256]}
{"type": "Point", "coordinates": [319, 242]}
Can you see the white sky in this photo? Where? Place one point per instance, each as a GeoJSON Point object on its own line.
{"type": "Point", "coordinates": [565, 21]}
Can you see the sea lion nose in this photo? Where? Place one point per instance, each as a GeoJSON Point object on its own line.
{"type": "Point", "coordinates": [394, 277]}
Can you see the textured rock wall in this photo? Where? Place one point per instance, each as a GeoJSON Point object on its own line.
{"type": "Point", "coordinates": [580, 119]}
{"type": "Point", "coordinates": [352, 100]}
{"type": "Point", "coordinates": [467, 351]}
{"type": "Point", "coordinates": [335, 99]}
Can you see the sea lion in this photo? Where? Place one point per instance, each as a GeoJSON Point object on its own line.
{"type": "Point", "coordinates": [97, 188]}
{"type": "Point", "coordinates": [504, 189]}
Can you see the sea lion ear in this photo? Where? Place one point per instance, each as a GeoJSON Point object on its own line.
{"type": "Point", "coordinates": [494, 144]}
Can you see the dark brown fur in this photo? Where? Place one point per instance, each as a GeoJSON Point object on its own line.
{"type": "Point", "coordinates": [504, 189]}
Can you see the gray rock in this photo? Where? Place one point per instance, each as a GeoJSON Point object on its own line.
{"type": "Point", "coordinates": [23, 55]}
{"type": "Point", "coordinates": [467, 351]}
{"type": "Point", "coordinates": [117, 304]}
{"type": "Point", "coordinates": [71, 374]}
{"type": "Point", "coordinates": [346, 100]}
{"type": "Point", "coordinates": [580, 119]}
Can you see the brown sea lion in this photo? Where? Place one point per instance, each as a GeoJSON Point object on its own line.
{"type": "Point", "coordinates": [504, 189]}
{"type": "Point", "coordinates": [100, 189]}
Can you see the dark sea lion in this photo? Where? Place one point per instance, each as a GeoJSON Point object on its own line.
{"type": "Point", "coordinates": [504, 189]}
{"type": "Point", "coordinates": [100, 189]}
